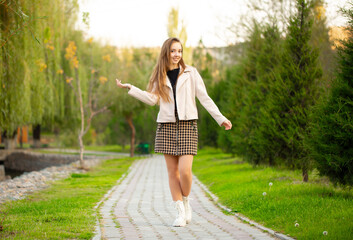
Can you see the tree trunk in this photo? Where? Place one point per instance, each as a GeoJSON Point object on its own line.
{"type": "Point", "coordinates": [21, 137]}
{"type": "Point", "coordinates": [271, 161]}
{"type": "Point", "coordinates": [2, 173]}
{"type": "Point", "coordinates": [80, 141]}
{"type": "Point", "coordinates": [81, 133]}
{"type": "Point", "coordinates": [36, 136]}
{"type": "Point", "coordinates": [133, 132]}
{"type": "Point", "coordinates": [10, 140]}
{"type": "Point", "coordinates": [305, 174]}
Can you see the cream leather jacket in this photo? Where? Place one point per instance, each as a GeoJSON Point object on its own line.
{"type": "Point", "coordinates": [189, 85]}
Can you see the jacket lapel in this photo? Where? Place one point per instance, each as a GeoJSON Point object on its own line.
{"type": "Point", "coordinates": [183, 77]}
{"type": "Point", "coordinates": [168, 83]}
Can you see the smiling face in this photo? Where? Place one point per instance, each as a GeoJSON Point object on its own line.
{"type": "Point", "coordinates": [176, 53]}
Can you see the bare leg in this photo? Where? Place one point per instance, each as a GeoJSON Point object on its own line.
{"type": "Point", "coordinates": [174, 176]}
{"type": "Point", "coordinates": [185, 170]}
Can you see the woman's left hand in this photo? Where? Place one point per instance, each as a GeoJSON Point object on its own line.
{"type": "Point", "coordinates": [227, 124]}
{"type": "Point", "coordinates": [122, 85]}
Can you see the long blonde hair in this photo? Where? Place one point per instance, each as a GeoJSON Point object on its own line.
{"type": "Point", "coordinates": [157, 82]}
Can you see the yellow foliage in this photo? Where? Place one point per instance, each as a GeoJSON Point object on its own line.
{"type": "Point", "coordinates": [93, 71]}
{"type": "Point", "coordinates": [69, 79]}
{"type": "Point", "coordinates": [90, 40]}
{"type": "Point", "coordinates": [74, 62]}
{"type": "Point", "coordinates": [60, 71]}
{"type": "Point", "coordinates": [71, 54]}
{"type": "Point", "coordinates": [50, 47]}
{"type": "Point", "coordinates": [40, 63]}
{"type": "Point", "coordinates": [103, 79]}
{"type": "Point", "coordinates": [3, 86]}
{"type": "Point", "coordinates": [320, 12]}
{"type": "Point", "coordinates": [106, 58]}
{"type": "Point", "coordinates": [70, 50]}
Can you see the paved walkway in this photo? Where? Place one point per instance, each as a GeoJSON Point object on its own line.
{"type": "Point", "coordinates": [140, 208]}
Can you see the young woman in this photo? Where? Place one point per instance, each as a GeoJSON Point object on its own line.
{"type": "Point", "coordinates": [174, 86]}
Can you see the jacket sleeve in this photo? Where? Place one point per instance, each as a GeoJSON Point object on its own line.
{"type": "Point", "coordinates": [206, 101]}
{"type": "Point", "coordinates": [143, 96]}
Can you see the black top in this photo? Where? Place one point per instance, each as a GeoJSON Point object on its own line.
{"type": "Point", "coordinates": [173, 76]}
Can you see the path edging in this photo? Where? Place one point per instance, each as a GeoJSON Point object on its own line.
{"type": "Point", "coordinates": [98, 232]}
{"type": "Point", "coordinates": [214, 198]}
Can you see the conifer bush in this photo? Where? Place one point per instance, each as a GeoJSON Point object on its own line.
{"type": "Point", "coordinates": [292, 93]}
{"type": "Point", "coordinates": [330, 140]}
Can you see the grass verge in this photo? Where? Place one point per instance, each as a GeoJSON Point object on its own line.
{"type": "Point", "coordinates": [316, 206]}
{"type": "Point", "coordinates": [109, 148]}
{"type": "Point", "coordinates": [68, 153]}
{"type": "Point", "coordinates": [65, 210]}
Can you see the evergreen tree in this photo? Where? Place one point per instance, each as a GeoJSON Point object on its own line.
{"type": "Point", "coordinates": [247, 91]}
{"type": "Point", "coordinates": [320, 39]}
{"type": "Point", "coordinates": [293, 92]}
{"type": "Point", "coordinates": [240, 82]}
{"type": "Point", "coordinates": [268, 59]}
{"type": "Point", "coordinates": [330, 141]}
{"type": "Point", "coordinates": [207, 66]}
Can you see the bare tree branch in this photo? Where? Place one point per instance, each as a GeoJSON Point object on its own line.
{"type": "Point", "coordinates": [94, 113]}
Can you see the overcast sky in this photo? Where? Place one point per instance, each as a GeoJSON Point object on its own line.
{"type": "Point", "coordinates": [125, 23]}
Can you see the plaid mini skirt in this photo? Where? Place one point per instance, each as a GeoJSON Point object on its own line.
{"type": "Point", "coordinates": [177, 138]}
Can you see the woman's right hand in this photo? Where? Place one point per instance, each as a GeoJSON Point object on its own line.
{"type": "Point", "coordinates": [227, 124]}
{"type": "Point", "coordinates": [122, 85]}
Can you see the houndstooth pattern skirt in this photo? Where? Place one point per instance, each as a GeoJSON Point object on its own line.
{"type": "Point", "coordinates": [177, 138]}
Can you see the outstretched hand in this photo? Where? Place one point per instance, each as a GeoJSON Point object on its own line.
{"type": "Point", "coordinates": [122, 85]}
{"type": "Point", "coordinates": [227, 124]}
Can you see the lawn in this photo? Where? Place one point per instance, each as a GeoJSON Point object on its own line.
{"type": "Point", "coordinates": [109, 148]}
{"type": "Point", "coordinates": [66, 209]}
{"type": "Point", "coordinates": [302, 210]}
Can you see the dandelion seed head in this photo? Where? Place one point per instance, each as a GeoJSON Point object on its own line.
{"type": "Point", "coordinates": [270, 184]}
{"type": "Point", "coordinates": [264, 193]}
{"type": "Point", "coordinates": [324, 232]}
{"type": "Point", "coordinates": [296, 224]}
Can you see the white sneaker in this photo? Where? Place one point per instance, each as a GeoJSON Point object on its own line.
{"type": "Point", "coordinates": [188, 209]}
{"type": "Point", "coordinates": [180, 219]}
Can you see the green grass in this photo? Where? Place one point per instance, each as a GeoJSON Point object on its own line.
{"type": "Point", "coordinates": [316, 206]}
{"type": "Point", "coordinates": [66, 209]}
{"type": "Point", "coordinates": [109, 148]}
{"type": "Point", "coordinates": [104, 148]}
{"type": "Point", "coordinates": [68, 153]}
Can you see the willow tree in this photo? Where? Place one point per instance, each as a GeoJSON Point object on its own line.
{"type": "Point", "coordinates": [52, 34]}
{"type": "Point", "coordinates": [15, 93]}
{"type": "Point", "coordinates": [28, 70]}
{"type": "Point", "coordinates": [59, 28]}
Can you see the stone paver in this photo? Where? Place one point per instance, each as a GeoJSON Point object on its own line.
{"type": "Point", "coordinates": [140, 207]}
